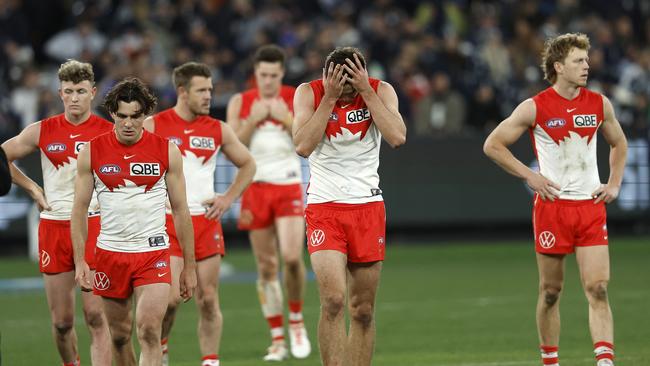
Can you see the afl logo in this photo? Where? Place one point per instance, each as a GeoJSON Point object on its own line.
{"type": "Point", "coordinates": [317, 237]}
{"type": "Point", "coordinates": [110, 169]}
{"type": "Point", "coordinates": [555, 123]}
{"type": "Point", "coordinates": [176, 140]}
{"type": "Point", "coordinates": [56, 147]}
{"type": "Point", "coordinates": [160, 264]}
{"type": "Point", "coordinates": [101, 281]}
{"type": "Point", "coordinates": [546, 239]}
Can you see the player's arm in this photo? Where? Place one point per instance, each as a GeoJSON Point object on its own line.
{"type": "Point", "coordinates": [175, 181]}
{"type": "Point", "coordinates": [245, 127]}
{"type": "Point", "coordinates": [17, 147]}
{"type": "Point", "coordinates": [83, 192]}
{"type": "Point", "coordinates": [239, 155]}
{"type": "Point", "coordinates": [309, 124]}
{"type": "Point", "coordinates": [505, 134]}
{"type": "Point", "coordinates": [614, 135]}
{"type": "Point", "coordinates": [148, 124]}
{"type": "Point", "coordinates": [383, 104]}
{"type": "Point", "coordinates": [5, 174]}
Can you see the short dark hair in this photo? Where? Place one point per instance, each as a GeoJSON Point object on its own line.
{"type": "Point", "coordinates": [130, 90]}
{"type": "Point", "coordinates": [76, 72]}
{"type": "Point", "coordinates": [183, 74]}
{"type": "Point", "coordinates": [339, 55]}
{"type": "Point", "coordinates": [269, 53]}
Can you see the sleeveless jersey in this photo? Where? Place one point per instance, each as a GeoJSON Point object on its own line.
{"type": "Point", "coordinates": [199, 142]}
{"type": "Point", "coordinates": [564, 140]}
{"type": "Point", "coordinates": [60, 142]}
{"type": "Point", "coordinates": [131, 189]}
{"type": "Point", "coordinates": [271, 144]}
{"type": "Point", "coordinates": [344, 164]}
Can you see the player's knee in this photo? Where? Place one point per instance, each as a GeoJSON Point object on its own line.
{"type": "Point", "coordinates": [148, 333]}
{"type": "Point", "coordinates": [208, 306]}
{"type": "Point", "coordinates": [120, 340]}
{"type": "Point", "coordinates": [597, 290]}
{"type": "Point", "coordinates": [362, 313]}
{"type": "Point", "coordinates": [551, 294]}
{"type": "Point", "coordinates": [63, 328]}
{"type": "Point", "coordinates": [333, 306]}
{"type": "Point", "coordinates": [292, 265]}
{"type": "Point", "coordinates": [94, 319]}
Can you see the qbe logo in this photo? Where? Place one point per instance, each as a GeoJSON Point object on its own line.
{"type": "Point", "coordinates": [56, 147]}
{"type": "Point", "coordinates": [78, 145]}
{"type": "Point", "coordinates": [204, 143]}
{"type": "Point", "coordinates": [357, 116]}
{"type": "Point", "coordinates": [110, 169]}
{"type": "Point", "coordinates": [144, 169]}
{"type": "Point", "coordinates": [584, 121]}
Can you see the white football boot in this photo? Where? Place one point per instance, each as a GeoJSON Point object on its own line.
{"type": "Point", "coordinates": [300, 345]}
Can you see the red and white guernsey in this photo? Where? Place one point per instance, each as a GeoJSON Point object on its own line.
{"type": "Point", "coordinates": [271, 145]}
{"type": "Point", "coordinates": [564, 140]}
{"type": "Point", "coordinates": [199, 142]}
{"type": "Point", "coordinates": [60, 142]}
{"type": "Point", "coordinates": [344, 164]}
{"type": "Point", "coordinates": [131, 189]}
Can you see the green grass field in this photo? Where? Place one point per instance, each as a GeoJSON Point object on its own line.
{"type": "Point", "coordinates": [457, 304]}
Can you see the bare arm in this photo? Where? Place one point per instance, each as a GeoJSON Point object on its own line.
{"type": "Point", "coordinates": [309, 124]}
{"type": "Point", "coordinates": [244, 128]}
{"type": "Point", "coordinates": [25, 143]}
{"type": "Point", "coordinates": [613, 133]}
{"type": "Point", "coordinates": [175, 181]}
{"type": "Point", "coordinates": [83, 192]}
{"type": "Point", "coordinates": [506, 133]}
{"type": "Point", "coordinates": [383, 104]}
{"type": "Point", "coordinates": [239, 155]}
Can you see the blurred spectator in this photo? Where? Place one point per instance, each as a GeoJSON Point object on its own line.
{"type": "Point", "coordinates": [442, 112]}
{"type": "Point", "coordinates": [72, 43]}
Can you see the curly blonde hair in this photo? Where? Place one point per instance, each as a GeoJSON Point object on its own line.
{"type": "Point", "coordinates": [557, 48]}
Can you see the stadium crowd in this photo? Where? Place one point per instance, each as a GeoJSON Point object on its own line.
{"type": "Point", "coordinates": [459, 66]}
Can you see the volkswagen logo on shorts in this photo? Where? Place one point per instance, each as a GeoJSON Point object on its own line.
{"type": "Point", "coordinates": [45, 258]}
{"type": "Point", "coordinates": [317, 237]}
{"type": "Point", "coordinates": [101, 281]}
{"type": "Point", "coordinates": [546, 239]}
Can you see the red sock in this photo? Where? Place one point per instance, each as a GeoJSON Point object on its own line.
{"type": "Point", "coordinates": [550, 355]}
{"type": "Point", "coordinates": [210, 360]}
{"type": "Point", "coordinates": [295, 312]}
{"type": "Point", "coordinates": [276, 324]}
{"type": "Point", "coordinates": [163, 345]}
{"type": "Point", "coordinates": [604, 350]}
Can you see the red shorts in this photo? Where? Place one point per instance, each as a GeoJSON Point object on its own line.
{"type": "Point", "coordinates": [262, 203]}
{"type": "Point", "coordinates": [117, 273]}
{"type": "Point", "coordinates": [55, 245]}
{"type": "Point", "coordinates": [208, 238]}
{"type": "Point", "coordinates": [357, 230]}
{"type": "Point", "coordinates": [562, 225]}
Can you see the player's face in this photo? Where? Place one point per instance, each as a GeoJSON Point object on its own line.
{"type": "Point", "coordinates": [128, 122]}
{"type": "Point", "coordinates": [268, 77]}
{"type": "Point", "coordinates": [575, 68]}
{"type": "Point", "coordinates": [199, 95]}
{"type": "Point", "coordinates": [77, 97]}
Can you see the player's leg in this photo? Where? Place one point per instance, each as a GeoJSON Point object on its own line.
{"type": "Point", "coordinates": [207, 301]}
{"type": "Point", "coordinates": [593, 262]}
{"type": "Point", "coordinates": [363, 281]}
{"type": "Point", "coordinates": [551, 279]}
{"type": "Point", "coordinates": [60, 292]}
{"type": "Point", "coordinates": [173, 302]}
{"type": "Point", "coordinates": [269, 290]}
{"type": "Point", "coordinates": [291, 237]}
{"type": "Point", "coordinates": [119, 315]}
{"type": "Point", "coordinates": [151, 304]}
{"type": "Point", "coordinates": [100, 337]}
{"type": "Point", "coordinates": [330, 269]}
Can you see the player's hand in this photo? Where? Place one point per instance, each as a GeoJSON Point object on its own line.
{"type": "Point", "coordinates": [260, 111]}
{"type": "Point", "coordinates": [217, 206]}
{"type": "Point", "coordinates": [545, 188]}
{"type": "Point", "coordinates": [83, 276]}
{"type": "Point", "coordinates": [187, 282]}
{"type": "Point", "coordinates": [333, 81]}
{"type": "Point", "coordinates": [605, 193]}
{"type": "Point", "coordinates": [279, 111]}
{"type": "Point", "coordinates": [357, 75]}
{"type": "Point", "coordinates": [38, 195]}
